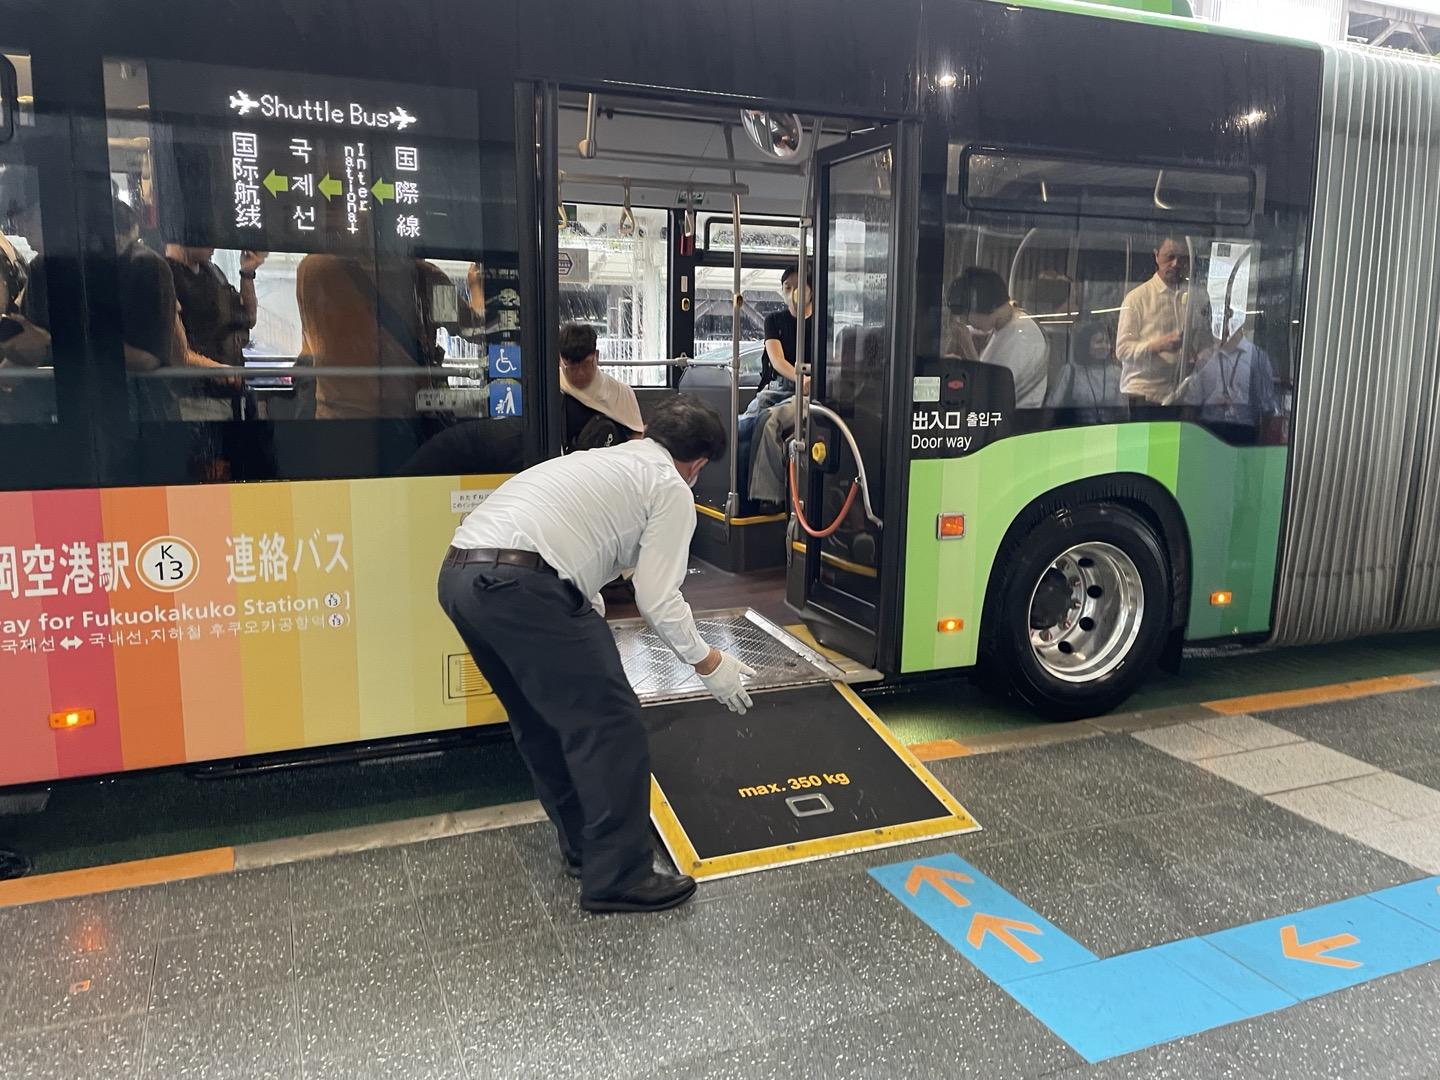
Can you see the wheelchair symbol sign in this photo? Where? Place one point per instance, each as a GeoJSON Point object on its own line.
{"type": "Point", "coordinates": [505, 361]}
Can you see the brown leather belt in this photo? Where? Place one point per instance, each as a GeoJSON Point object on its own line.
{"type": "Point", "coordinates": [497, 557]}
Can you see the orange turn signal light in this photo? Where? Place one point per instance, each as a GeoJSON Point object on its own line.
{"type": "Point", "coordinates": [950, 626]}
{"type": "Point", "coordinates": [950, 527]}
{"type": "Point", "coordinates": [1221, 599]}
{"type": "Point", "coordinates": [72, 718]}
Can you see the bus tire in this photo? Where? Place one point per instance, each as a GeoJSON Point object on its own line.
{"type": "Point", "coordinates": [1079, 613]}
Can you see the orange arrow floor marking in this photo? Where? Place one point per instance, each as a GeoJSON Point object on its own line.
{"type": "Point", "coordinates": [939, 879]}
{"type": "Point", "coordinates": [1004, 929]}
{"type": "Point", "coordinates": [1313, 952]}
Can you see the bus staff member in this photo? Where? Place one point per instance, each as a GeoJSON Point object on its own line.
{"type": "Point", "coordinates": [518, 584]}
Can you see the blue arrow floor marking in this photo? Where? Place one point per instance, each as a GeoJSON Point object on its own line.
{"type": "Point", "coordinates": [1105, 1008]}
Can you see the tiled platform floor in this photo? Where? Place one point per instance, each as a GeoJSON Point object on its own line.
{"type": "Point", "coordinates": [468, 957]}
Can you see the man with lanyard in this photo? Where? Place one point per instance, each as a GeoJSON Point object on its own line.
{"type": "Point", "coordinates": [1151, 334]}
{"type": "Point", "coordinates": [520, 583]}
{"type": "Point", "coordinates": [1233, 382]}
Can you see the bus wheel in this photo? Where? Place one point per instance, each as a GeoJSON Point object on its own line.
{"type": "Point", "coordinates": [1080, 612]}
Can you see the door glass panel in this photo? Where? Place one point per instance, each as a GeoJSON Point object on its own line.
{"type": "Point", "coordinates": [856, 334]}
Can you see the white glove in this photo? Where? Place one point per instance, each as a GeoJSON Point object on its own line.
{"type": "Point", "coordinates": [724, 683]}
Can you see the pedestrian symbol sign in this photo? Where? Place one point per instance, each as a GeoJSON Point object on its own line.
{"type": "Point", "coordinates": [505, 398]}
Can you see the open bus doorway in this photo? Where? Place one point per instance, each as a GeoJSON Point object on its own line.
{"type": "Point", "coordinates": [672, 229]}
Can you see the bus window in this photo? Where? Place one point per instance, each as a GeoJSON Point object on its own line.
{"type": "Point", "coordinates": [296, 247]}
{"type": "Point", "coordinates": [1103, 321]}
{"type": "Point", "coordinates": [714, 305]}
{"type": "Point", "coordinates": [619, 285]}
{"type": "Point", "coordinates": [27, 378]}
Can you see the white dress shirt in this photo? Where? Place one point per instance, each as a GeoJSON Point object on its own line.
{"type": "Point", "coordinates": [594, 513]}
{"type": "Point", "coordinates": [1151, 310]}
{"type": "Point", "coordinates": [1021, 346]}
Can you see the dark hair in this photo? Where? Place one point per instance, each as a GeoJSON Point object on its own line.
{"type": "Point", "coordinates": [688, 428]}
{"type": "Point", "coordinates": [792, 272]}
{"type": "Point", "coordinates": [1162, 238]}
{"type": "Point", "coordinates": [977, 290]}
{"type": "Point", "coordinates": [577, 341]}
{"type": "Point", "coordinates": [126, 220]}
{"type": "Point", "coordinates": [1080, 341]}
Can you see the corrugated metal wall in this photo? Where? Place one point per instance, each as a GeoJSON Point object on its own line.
{"type": "Point", "coordinates": [1362, 550]}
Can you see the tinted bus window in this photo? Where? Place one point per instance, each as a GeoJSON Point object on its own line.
{"type": "Point", "coordinates": [1103, 321]}
{"type": "Point", "coordinates": [27, 376]}
{"type": "Point", "coordinates": [305, 248]}
{"type": "Point", "coordinates": [998, 180]}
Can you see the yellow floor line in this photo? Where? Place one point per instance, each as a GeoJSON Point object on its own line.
{"type": "Point", "coordinates": [165, 868]}
{"type": "Point", "coordinates": [938, 749]}
{"type": "Point", "coordinates": [126, 875]}
{"type": "Point", "coordinates": [1316, 695]}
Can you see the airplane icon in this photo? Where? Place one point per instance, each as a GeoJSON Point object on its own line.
{"type": "Point", "coordinates": [243, 103]}
{"type": "Point", "coordinates": [400, 118]}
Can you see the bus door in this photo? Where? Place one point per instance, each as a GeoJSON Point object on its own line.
{"type": "Point", "coordinates": [853, 341]}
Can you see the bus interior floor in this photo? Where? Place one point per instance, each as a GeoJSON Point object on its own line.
{"type": "Point", "coordinates": [709, 588]}
{"type": "Point", "coordinates": [1150, 875]}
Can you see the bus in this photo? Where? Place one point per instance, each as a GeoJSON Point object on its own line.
{"type": "Point", "coordinates": [220, 538]}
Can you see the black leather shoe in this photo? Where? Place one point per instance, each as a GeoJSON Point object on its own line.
{"type": "Point", "coordinates": [657, 892]}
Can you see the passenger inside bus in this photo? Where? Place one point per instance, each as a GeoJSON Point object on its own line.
{"type": "Point", "coordinates": [371, 320]}
{"type": "Point", "coordinates": [1090, 379]}
{"type": "Point", "coordinates": [24, 343]}
{"type": "Point", "coordinates": [1233, 382]}
{"type": "Point", "coordinates": [147, 298]}
{"type": "Point", "coordinates": [777, 365]}
{"type": "Point", "coordinates": [600, 410]}
{"type": "Point", "coordinates": [217, 319]}
{"type": "Point", "coordinates": [980, 304]}
{"type": "Point", "coordinates": [1153, 327]}
{"type": "Point", "coordinates": [768, 420]}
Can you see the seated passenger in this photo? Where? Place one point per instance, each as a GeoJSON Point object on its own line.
{"type": "Point", "coordinates": [1233, 382]}
{"type": "Point", "coordinates": [777, 366]}
{"type": "Point", "coordinates": [600, 410]}
{"type": "Point", "coordinates": [1090, 379]}
{"type": "Point", "coordinates": [1153, 319]}
{"type": "Point", "coordinates": [980, 300]}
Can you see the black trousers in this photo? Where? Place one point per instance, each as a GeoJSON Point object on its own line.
{"type": "Point", "coordinates": [552, 661]}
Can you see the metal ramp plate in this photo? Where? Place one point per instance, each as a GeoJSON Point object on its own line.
{"type": "Point", "coordinates": [780, 659]}
{"type": "Point", "coordinates": [808, 773]}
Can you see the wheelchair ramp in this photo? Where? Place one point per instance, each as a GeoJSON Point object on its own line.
{"type": "Point", "coordinates": [808, 773]}
{"type": "Point", "coordinates": [780, 659]}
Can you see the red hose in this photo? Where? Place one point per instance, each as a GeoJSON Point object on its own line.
{"type": "Point", "coordinates": [800, 514]}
